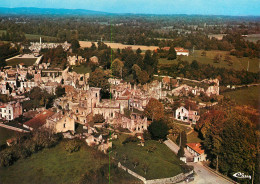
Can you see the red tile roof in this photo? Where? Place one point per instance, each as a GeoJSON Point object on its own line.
{"type": "Point", "coordinates": [196, 147]}
{"type": "Point", "coordinates": [39, 120]}
{"type": "Point", "coordinates": [180, 49]}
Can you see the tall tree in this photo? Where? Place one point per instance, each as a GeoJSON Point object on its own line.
{"type": "Point", "coordinates": [117, 68]}
{"type": "Point", "coordinates": [158, 130]}
{"type": "Point", "coordinates": [98, 79]}
{"type": "Point", "coordinates": [154, 109]}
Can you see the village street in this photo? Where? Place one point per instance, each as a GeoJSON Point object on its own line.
{"type": "Point", "coordinates": [202, 174]}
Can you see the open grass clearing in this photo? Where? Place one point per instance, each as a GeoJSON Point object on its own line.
{"type": "Point", "coordinates": [15, 61]}
{"type": "Point", "coordinates": [81, 69]}
{"type": "Point", "coordinates": [162, 162]}
{"type": "Point", "coordinates": [239, 63]}
{"type": "Point", "coordinates": [245, 96]}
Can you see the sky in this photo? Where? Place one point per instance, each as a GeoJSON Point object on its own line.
{"type": "Point", "coordinates": [204, 7]}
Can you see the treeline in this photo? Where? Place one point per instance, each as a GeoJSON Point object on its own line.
{"type": "Point", "coordinates": [160, 31]}
{"type": "Point", "coordinates": [7, 50]}
{"type": "Point", "coordinates": [199, 71]}
{"type": "Point", "coordinates": [231, 142]}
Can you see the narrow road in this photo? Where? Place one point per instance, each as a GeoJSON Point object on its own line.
{"type": "Point", "coordinates": [202, 174]}
{"type": "Point", "coordinates": [205, 176]}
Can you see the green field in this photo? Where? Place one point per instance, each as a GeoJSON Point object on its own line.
{"type": "Point", "coordinates": [55, 166]}
{"type": "Point", "coordinates": [162, 161]}
{"type": "Point", "coordinates": [81, 69]}
{"type": "Point", "coordinates": [27, 61]}
{"type": "Point", "coordinates": [245, 96]}
{"type": "Point", "coordinates": [5, 134]}
{"type": "Point", "coordinates": [239, 63]}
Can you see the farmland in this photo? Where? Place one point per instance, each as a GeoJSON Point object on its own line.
{"type": "Point", "coordinates": [84, 44]}
{"type": "Point", "coordinates": [238, 63]}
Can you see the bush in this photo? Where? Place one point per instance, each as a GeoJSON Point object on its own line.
{"type": "Point", "coordinates": [130, 139]}
{"type": "Point", "coordinates": [72, 146]}
{"type": "Point", "coordinates": [7, 157]}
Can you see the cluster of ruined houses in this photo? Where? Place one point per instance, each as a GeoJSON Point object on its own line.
{"type": "Point", "coordinates": [81, 102]}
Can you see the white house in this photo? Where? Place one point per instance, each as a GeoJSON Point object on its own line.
{"type": "Point", "coordinates": [181, 51]}
{"type": "Point", "coordinates": [182, 114]}
{"type": "Point", "coordinates": [197, 152]}
{"type": "Point", "coordinates": [11, 110]}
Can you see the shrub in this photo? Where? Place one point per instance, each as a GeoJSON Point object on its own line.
{"type": "Point", "coordinates": [130, 139]}
{"type": "Point", "coordinates": [72, 146]}
{"type": "Point", "coordinates": [7, 158]}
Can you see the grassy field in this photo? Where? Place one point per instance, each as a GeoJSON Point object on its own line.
{"type": "Point", "coordinates": [239, 63]}
{"type": "Point", "coordinates": [245, 96]}
{"type": "Point", "coordinates": [81, 69]}
{"type": "Point", "coordinates": [162, 161]}
{"type": "Point", "coordinates": [5, 134]}
{"type": "Point", "coordinates": [26, 61]}
{"type": "Point", "coordinates": [54, 166]}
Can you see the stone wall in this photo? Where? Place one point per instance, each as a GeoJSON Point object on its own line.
{"type": "Point", "coordinates": [174, 179]}
{"type": "Point", "coordinates": [131, 172]}
{"type": "Point", "coordinates": [12, 128]}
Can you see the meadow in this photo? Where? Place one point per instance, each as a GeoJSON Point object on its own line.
{"type": "Point", "coordinates": [238, 63]}
{"type": "Point", "coordinates": [245, 96]}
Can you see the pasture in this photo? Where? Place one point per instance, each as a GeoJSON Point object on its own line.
{"type": "Point", "coordinates": [238, 63]}
{"type": "Point", "coordinates": [245, 96]}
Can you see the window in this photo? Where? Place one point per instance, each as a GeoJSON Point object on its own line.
{"type": "Point", "coordinates": [9, 117]}
{"type": "Point", "coordinates": [64, 125]}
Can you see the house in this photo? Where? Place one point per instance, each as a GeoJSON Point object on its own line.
{"type": "Point", "coordinates": [181, 51]}
{"type": "Point", "coordinates": [182, 114]}
{"type": "Point", "coordinates": [39, 120]}
{"type": "Point", "coordinates": [10, 110]}
{"type": "Point", "coordinates": [60, 122]}
{"type": "Point", "coordinates": [197, 152]}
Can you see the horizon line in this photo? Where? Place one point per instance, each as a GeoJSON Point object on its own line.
{"type": "Point", "coordinates": [201, 14]}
